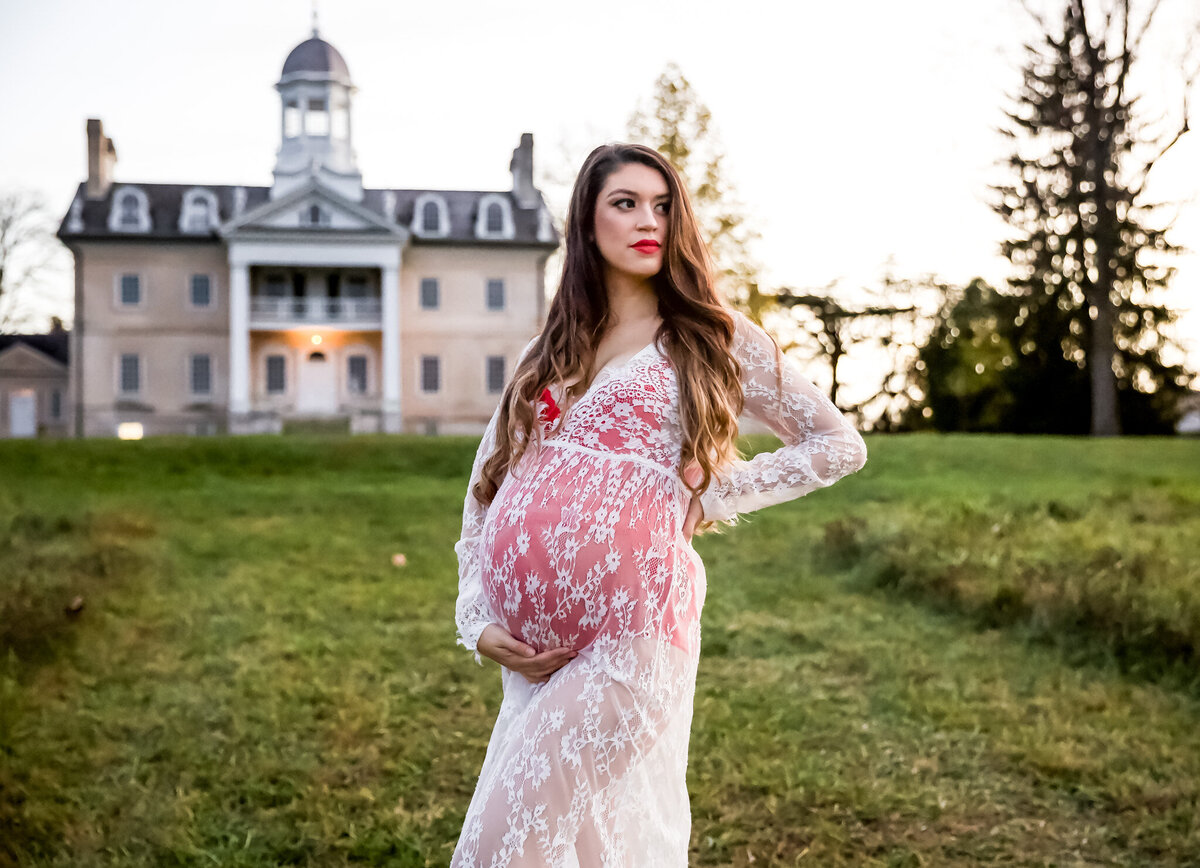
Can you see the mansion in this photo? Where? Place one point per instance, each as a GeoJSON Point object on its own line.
{"type": "Point", "coordinates": [204, 309]}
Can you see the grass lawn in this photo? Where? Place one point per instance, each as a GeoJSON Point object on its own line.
{"type": "Point", "coordinates": [977, 651]}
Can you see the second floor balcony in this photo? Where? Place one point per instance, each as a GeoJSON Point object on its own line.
{"type": "Point", "coordinates": [272, 312]}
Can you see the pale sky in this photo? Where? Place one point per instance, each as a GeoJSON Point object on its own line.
{"type": "Point", "coordinates": [855, 131]}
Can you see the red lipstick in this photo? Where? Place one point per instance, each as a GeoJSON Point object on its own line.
{"type": "Point", "coordinates": [646, 246]}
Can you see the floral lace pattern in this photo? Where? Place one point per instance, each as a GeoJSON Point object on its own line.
{"type": "Point", "coordinates": [583, 547]}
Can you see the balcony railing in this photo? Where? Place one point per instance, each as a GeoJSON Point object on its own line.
{"type": "Point", "coordinates": [316, 310]}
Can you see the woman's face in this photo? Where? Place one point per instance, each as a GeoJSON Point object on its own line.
{"type": "Point", "coordinates": [631, 220]}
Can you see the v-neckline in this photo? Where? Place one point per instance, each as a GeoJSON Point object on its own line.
{"type": "Point", "coordinates": [615, 365]}
{"type": "Point", "coordinates": [606, 373]}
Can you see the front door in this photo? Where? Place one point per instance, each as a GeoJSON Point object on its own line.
{"type": "Point", "coordinates": [22, 413]}
{"type": "Point", "coordinates": [318, 386]}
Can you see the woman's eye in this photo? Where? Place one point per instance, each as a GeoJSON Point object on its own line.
{"type": "Point", "coordinates": [621, 203]}
{"type": "Point", "coordinates": [664, 207]}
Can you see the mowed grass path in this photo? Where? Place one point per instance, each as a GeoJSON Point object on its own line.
{"type": "Point", "coordinates": [977, 651]}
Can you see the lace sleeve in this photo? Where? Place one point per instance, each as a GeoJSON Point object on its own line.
{"type": "Point", "coordinates": [472, 612]}
{"type": "Point", "coordinates": [819, 444]}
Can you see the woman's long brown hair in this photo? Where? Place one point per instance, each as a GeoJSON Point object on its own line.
{"type": "Point", "coordinates": [697, 332]}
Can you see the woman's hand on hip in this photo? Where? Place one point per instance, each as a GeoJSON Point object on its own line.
{"type": "Point", "coordinates": [495, 643]}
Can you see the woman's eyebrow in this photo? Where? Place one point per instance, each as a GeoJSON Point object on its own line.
{"type": "Point", "coordinates": [635, 195]}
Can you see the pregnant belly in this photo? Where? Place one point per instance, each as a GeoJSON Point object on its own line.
{"type": "Point", "coordinates": [582, 551]}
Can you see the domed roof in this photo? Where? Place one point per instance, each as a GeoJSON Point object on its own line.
{"type": "Point", "coordinates": [316, 58]}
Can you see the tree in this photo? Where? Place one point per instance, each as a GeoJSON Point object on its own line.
{"type": "Point", "coordinates": [679, 126]}
{"type": "Point", "coordinates": [964, 370]}
{"type": "Point", "coordinates": [28, 251]}
{"type": "Point", "coordinates": [988, 366]}
{"type": "Point", "coordinates": [1088, 254]}
{"type": "Point", "coordinates": [836, 328]}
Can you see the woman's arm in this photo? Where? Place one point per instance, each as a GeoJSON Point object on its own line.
{"type": "Point", "coordinates": [472, 612]}
{"type": "Point", "coordinates": [819, 445]}
{"type": "Point", "coordinates": [479, 629]}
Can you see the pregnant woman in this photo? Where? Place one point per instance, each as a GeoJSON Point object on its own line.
{"type": "Point", "coordinates": [577, 575]}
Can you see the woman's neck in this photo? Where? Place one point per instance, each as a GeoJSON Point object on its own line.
{"type": "Point", "coordinates": [630, 299]}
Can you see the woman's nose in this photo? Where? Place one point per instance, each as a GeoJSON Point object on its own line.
{"type": "Point", "coordinates": [647, 219]}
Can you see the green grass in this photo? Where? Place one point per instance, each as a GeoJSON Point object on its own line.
{"type": "Point", "coordinates": [979, 650]}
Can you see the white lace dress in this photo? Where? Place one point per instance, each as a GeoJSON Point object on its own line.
{"type": "Point", "coordinates": [583, 547]}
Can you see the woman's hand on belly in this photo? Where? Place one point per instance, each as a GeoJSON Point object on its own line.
{"type": "Point", "coordinates": [495, 643]}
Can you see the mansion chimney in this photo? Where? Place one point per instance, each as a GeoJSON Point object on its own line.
{"type": "Point", "coordinates": [521, 167]}
{"type": "Point", "coordinates": [102, 157]}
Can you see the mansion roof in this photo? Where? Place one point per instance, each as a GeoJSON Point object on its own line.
{"type": "Point", "coordinates": [91, 218]}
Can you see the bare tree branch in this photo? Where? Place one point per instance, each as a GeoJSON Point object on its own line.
{"type": "Point", "coordinates": [28, 250]}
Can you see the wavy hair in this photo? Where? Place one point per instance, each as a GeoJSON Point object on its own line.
{"type": "Point", "coordinates": [697, 332]}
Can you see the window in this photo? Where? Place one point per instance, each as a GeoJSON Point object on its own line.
{"type": "Point", "coordinates": [317, 216]}
{"type": "Point", "coordinates": [316, 119]}
{"type": "Point", "coordinates": [495, 374]}
{"type": "Point", "coordinates": [291, 119]}
{"type": "Point", "coordinates": [130, 290]}
{"type": "Point", "coordinates": [131, 217]}
{"type": "Point", "coordinates": [495, 218]}
{"type": "Point", "coordinates": [56, 404]}
{"type": "Point", "coordinates": [356, 374]}
{"type": "Point", "coordinates": [198, 212]}
{"type": "Point", "coordinates": [356, 287]}
{"type": "Point", "coordinates": [431, 217]}
{"type": "Point", "coordinates": [430, 373]}
{"type": "Point", "coordinates": [130, 211]}
{"type": "Point", "coordinates": [130, 374]}
{"type": "Point", "coordinates": [495, 294]}
{"type": "Point", "coordinates": [429, 293]}
{"type": "Point", "coordinates": [276, 286]}
{"type": "Point", "coordinates": [201, 374]}
{"type": "Point", "coordinates": [276, 384]}
{"type": "Point", "coordinates": [201, 290]}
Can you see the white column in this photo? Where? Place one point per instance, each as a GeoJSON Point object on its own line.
{"type": "Point", "coordinates": [239, 343]}
{"type": "Point", "coordinates": [391, 349]}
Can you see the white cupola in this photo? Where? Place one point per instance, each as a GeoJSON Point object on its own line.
{"type": "Point", "coordinates": [315, 91]}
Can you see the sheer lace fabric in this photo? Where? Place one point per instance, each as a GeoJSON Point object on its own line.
{"type": "Point", "coordinates": [583, 547]}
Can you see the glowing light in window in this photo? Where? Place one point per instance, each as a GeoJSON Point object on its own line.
{"type": "Point", "coordinates": [129, 430]}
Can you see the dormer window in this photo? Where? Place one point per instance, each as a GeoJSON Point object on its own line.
{"type": "Point", "coordinates": [131, 216]}
{"type": "Point", "coordinates": [431, 218]}
{"type": "Point", "coordinates": [316, 119]}
{"type": "Point", "coordinates": [130, 211]}
{"type": "Point", "coordinates": [199, 212]}
{"type": "Point", "coordinates": [495, 217]}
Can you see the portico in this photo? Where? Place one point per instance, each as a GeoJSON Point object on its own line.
{"type": "Point", "coordinates": [255, 268]}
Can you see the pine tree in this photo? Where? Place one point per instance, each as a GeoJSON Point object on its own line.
{"type": "Point", "coordinates": [1089, 259]}
{"type": "Point", "coordinates": [679, 126]}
